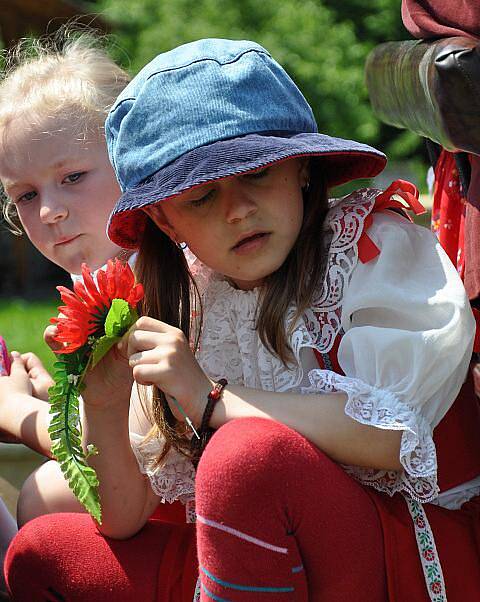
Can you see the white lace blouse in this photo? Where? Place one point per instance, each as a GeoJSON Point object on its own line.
{"type": "Point", "coordinates": [408, 335]}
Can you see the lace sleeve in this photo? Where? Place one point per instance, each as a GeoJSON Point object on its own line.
{"type": "Point", "coordinates": [173, 479]}
{"type": "Point", "coordinates": [382, 409]}
{"type": "Point", "coordinates": [405, 352]}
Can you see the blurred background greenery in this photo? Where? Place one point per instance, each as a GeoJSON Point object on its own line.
{"type": "Point", "coordinates": [22, 324]}
{"type": "Point", "coordinates": [323, 45]}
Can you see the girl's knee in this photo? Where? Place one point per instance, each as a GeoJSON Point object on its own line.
{"type": "Point", "coordinates": [253, 453]}
{"type": "Point", "coordinates": [256, 441]}
{"type": "Point", "coordinates": [42, 549]}
{"type": "Point", "coordinates": [45, 491]}
{"type": "Point", "coordinates": [29, 503]}
{"type": "Point", "coordinates": [28, 553]}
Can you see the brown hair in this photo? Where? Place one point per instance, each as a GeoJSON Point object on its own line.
{"type": "Point", "coordinates": [172, 296]}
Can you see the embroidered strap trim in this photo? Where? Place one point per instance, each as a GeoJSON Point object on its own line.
{"type": "Point", "coordinates": [432, 569]}
{"type": "Point", "coordinates": [198, 588]}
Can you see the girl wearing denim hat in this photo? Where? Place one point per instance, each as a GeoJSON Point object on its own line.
{"type": "Point", "coordinates": [320, 342]}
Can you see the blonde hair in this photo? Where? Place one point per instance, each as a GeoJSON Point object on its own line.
{"type": "Point", "coordinates": [65, 76]}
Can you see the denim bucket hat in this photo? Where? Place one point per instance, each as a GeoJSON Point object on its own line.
{"type": "Point", "coordinates": [209, 110]}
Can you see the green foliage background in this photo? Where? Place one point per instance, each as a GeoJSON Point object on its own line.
{"type": "Point", "coordinates": [22, 324]}
{"type": "Point", "coordinates": [323, 44]}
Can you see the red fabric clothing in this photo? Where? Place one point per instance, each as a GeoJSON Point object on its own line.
{"type": "Point", "coordinates": [63, 557]}
{"type": "Point", "coordinates": [456, 222]}
{"type": "Point", "coordinates": [259, 478]}
{"type": "Point", "coordinates": [448, 211]}
{"type": "Point", "coordinates": [456, 532]}
{"type": "Point", "coordinates": [457, 539]}
{"type": "Point", "coordinates": [441, 18]}
{"type": "Point", "coordinates": [459, 462]}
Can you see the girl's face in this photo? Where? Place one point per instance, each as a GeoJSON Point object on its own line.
{"type": "Point", "coordinates": [64, 190]}
{"type": "Point", "coordinates": [243, 226]}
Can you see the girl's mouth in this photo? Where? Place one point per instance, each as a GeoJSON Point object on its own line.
{"type": "Point", "coordinates": [65, 240]}
{"type": "Point", "coordinates": [251, 243]}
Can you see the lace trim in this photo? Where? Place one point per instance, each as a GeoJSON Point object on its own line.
{"type": "Point", "coordinates": [172, 480]}
{"type": "Point", "coordinates": [343, 227]}
{"type": "Point", "coordinates": [318, 327]}
{"type": "Point", "coordinates": [455, 500]}
{"type": "Point", "coordinates": [345, 221]}
{"type": "Point", "coordinates": [381, 409]}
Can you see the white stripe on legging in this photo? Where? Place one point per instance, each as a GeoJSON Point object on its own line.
{"type": "Point", "coordinates": [236, 533]}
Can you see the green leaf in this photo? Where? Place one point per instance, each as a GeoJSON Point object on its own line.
{"type": "Point", "coordinates": [65, 432]}
{"type": "Point", "coordinates": [65, 426]}
{"type": "Point", "coordinates": [119, 318]}
{"type": "Point", "coordinates": [101, 347]}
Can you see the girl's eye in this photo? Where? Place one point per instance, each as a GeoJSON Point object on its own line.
{"type": "Point", "coordinates": [202, 200]}
{"type": "Point", "coordinates": [24, 198]}
{"type": "Point", "coordinates": [73, 177]}
{"type": "Point", "coordinates": [257, 175]}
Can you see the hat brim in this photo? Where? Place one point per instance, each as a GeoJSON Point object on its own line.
{"type": "Point", "coordinates": [344, 160]}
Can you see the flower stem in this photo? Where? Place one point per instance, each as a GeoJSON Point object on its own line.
{"type": "Point", "coordinates": [187, 419]}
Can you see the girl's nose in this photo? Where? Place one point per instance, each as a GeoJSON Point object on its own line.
{"type": "Point", "coordinates": [52, 211]}
{"type": "Point", "coordinates": [239, 205]}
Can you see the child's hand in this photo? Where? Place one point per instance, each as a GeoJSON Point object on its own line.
{"type": "Point", "coordinates": [40, 379]}
{"type": "Point", "coordinates": [109, 384]}
{"type": "Point", "coordinates": [18, 382]}
{"type": "Point", "coordinates": [160, 355]}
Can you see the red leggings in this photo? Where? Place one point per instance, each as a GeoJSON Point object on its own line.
{"type": "Point", "coordinates": [277, 520]}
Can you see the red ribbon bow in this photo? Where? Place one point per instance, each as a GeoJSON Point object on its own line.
{"type": "Point", "coordinates": [399, 196]}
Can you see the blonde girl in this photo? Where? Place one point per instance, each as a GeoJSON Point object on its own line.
{"type": "Point", "coordinates": [59, 187]}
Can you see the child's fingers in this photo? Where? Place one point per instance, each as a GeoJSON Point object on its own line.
{"type": "Point", "coordinates": [40, 379]}
{"type": "Point", "coordinates": [153, 325]}
{"type": "Point", "coordinates": [148, 356]}
{"type": "Point", "coordinates": [18, 365]}
{"type": "Point", "coordinates": [142, 340]}
{"type": "Point", "coordinates": [146, 374]}
{"type": "Point", "coordinates": [48, 336]}
{"type": "Point", "coordinates": [32, 361]}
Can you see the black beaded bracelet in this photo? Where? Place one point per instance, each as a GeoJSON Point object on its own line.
{"type": "Point", "coordinates": [205, 432]}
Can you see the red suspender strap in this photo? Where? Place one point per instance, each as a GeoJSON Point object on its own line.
{"type": "Point", "coordinates": [400, 195]}
{"type": "Point", "coordinates": [476, 342]}
{"type": "Point", "coordinates": [457, 439]}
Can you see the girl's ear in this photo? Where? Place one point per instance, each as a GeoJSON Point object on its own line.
{"type": "Point", "coordinates": [156, 214]}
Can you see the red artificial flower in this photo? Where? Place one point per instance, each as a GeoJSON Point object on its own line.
{"type": "Point", "coordinates": [87, 305]}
